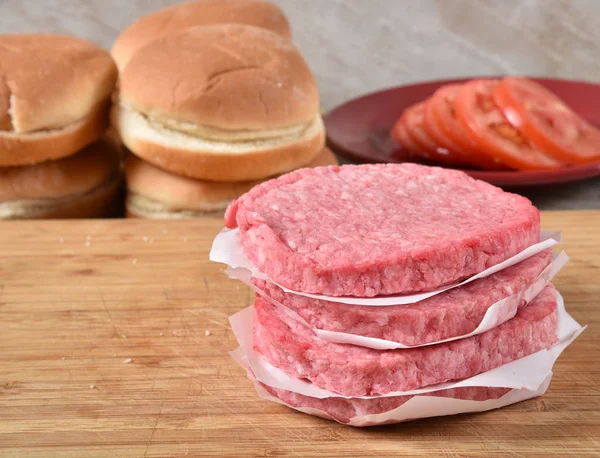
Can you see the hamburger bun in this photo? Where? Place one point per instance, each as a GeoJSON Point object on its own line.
{"type": "Point", "coordinates": [154, 193]}
{"type": "Point", "coordinates": [222, 103]}
{"type": "Point", "coordinates": [259, 13]}
{"type": "Point", "coordinates": [54, 96]}
{"type": "Point", "coordinates": [84, 185]}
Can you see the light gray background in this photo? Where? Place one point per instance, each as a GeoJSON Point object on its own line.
{"type": "Point", "coordinates": [356, 46]}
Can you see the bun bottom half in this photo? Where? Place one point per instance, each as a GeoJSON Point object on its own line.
{"type": "Point", "coordinates": [103, 201]}
{"type": "Point", "coordinates": [18, 149]}
{"type": "Point", "coordinates": [153, 193]}
{"type": "Point", "coordinates": [88, 184]}
{"type": "Point", "coordinates": [216, 160]}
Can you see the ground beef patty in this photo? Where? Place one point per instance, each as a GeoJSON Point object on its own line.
{"type": "Point", "coordinates": [453, 313]}
{"type": "Point", "coordinates": [350, 370]}
{"type": "Point", "coordinates": [379, 229]}
{"type": "Point", "coordinates": [343, 409]}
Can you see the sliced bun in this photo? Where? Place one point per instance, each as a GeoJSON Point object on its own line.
{"type": "Point", "coordinates": [50, 86]}
{"type": "Point", "coordinates": [100, 202]}
{"type": "Point", "coordinates": [199, 158]}
{"type": "Point", "coordinates": [200, 12]}
{"type": "Point", "coordinates": [81, 186]}
{"type": "Point", "coordinates": [223, 103]}
{"type": "Point", "coordinates": [325, 158]}
{"type": "Point", "coordinates": [154, 193]}
{"type": "Point", "coordinates": [230, 77]}
{"type": "Point", "coordinates": [33, 148]}
{"type": "Point", "coordinates": [52, 81]}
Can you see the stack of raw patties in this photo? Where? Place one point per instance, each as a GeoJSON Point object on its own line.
{"type": "Point", "coordinates": [54, 103]}
{"type": "Point", "coordinates": [393, 292]}
{"type": "Point", "coordinates": [213, 98]}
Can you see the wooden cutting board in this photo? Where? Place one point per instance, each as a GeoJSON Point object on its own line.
{"type": "Point", "coordinates": [114, 342]}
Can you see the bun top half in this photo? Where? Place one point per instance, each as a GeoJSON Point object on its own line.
{"type": "Point", "coordinates": [259, 13]}
{"type": "Point", "coordinates": [226, 77]}
{"type": "Point", "coordinates": [50, 81]}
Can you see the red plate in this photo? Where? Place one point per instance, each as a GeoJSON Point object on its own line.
{"type": "Point", "coordinates": [359, 130]}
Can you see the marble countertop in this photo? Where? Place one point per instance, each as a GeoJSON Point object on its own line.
{"type": "Point", "coordinates": [358, 46]}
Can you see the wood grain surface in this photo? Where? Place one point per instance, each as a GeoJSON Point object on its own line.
{"type": "Point", "coordinates": [114, 342]}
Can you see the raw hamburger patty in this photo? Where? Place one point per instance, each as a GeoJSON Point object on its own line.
{"type": "Point", "coordinates": [350, 370]}
{"type": "Point", "coordinates": [450, 314]}
{"type": "Point", "coordinates": [379, 229]}
{"type": "Point", "coordinates": [343, 409]}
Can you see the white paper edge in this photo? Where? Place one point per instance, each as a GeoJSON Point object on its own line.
{"type": "Point", "coordinates": [417, 407]}
{"type": "Point", "coordinates": [226, 249]}
{"type": "Point", "coordinates": [496, 314]}
{"type": "Point", "coordinates": [525, 373]}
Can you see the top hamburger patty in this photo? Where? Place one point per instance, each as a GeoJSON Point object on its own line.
{"type": "Point", "coordinates": [379, 229]}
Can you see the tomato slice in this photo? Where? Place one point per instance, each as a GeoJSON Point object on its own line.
{"type": "Point", "coordinates": [442, 110]}
{"type": "Point", "coordinates": [486, 125]}
{"type": "Point", "coordinates": [400, 135]}
{"type": "Point", "coordinates": [428, 149]}
{"type": "Point", "coordinates": [545, 119]}
{"type": "Point", "coordinates": [435, 133]}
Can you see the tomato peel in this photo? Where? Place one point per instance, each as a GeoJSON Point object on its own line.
{"type": "Point", "coordinates": [443, 110]}
{"type": "Point", "coordinates": [481, 119]}
{"type": "Point", "coordinates": [547, 121]}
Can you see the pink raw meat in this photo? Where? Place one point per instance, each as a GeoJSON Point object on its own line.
{"type": "Point", "coordinates": [378, 229]}
{"type": "Point", "coordinates": [343, 410]}
{"type": "Point", "coordinates": [450, 314]}
{"type": "Point", "coordinates": [350, 370]}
